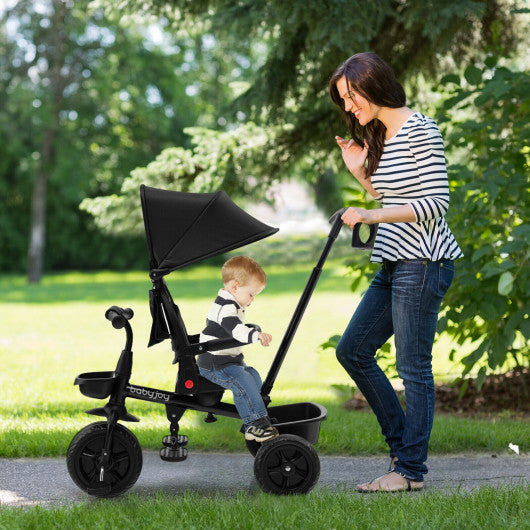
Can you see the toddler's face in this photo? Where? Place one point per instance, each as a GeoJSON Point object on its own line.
{"type": "Point", "coordinates": [245, 294]}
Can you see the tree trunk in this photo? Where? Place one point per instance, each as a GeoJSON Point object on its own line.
{"type": "Point", "coordinates": [38, 211]}
{"type": "Point", "coordinates": [56, 60]}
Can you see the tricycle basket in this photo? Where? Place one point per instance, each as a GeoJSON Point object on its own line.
{"type": "Point", "coordinates": [301, 419]}
{"type": "Point", "coordinates": [97, 385]}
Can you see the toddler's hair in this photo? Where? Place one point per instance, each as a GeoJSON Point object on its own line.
{"type": "Point", "coordinates": [243, 269]}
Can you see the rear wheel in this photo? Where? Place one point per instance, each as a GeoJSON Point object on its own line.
{"type": "Point", "coordinates": [86, 465]}
{"type": "Point", "coordinates": [287, 464]}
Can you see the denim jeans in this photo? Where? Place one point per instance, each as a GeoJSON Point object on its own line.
{"type": "Point", "coordinates": [403, 300]}
{"type": "Point", "coordinates": [245, 383]}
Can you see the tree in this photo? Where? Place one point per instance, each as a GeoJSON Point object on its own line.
{"type": "Point", "coordinates": [86, 101]}
{"type": "Point", "coordinates": [218, 160]}
{"type": "Point", "coordinates": [305, 40]}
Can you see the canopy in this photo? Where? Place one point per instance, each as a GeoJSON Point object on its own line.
{"type": "Point", "coordinates": [185, 228]}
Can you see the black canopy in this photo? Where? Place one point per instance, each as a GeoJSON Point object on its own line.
{"type": "Point", "coordinates": [185, 228]}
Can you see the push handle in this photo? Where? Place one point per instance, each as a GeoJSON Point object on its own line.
{"type": "Point", "coordinates": [337, 223]}
{"type": "Point", "coordinates": [118, 316]}
{"type": "Point", "coordinates": [363, 235]}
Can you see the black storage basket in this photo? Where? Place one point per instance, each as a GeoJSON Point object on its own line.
{"type": "Point", "coordinates": [302, 419]}
{"type": "Point", "coordinates": [97, 385]}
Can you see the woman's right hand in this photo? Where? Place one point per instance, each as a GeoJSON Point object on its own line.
{"type": "Point", "coordinates": [354, 155]}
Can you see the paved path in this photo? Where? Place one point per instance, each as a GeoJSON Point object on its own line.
{"type": "Point", "coordinates": [46, 481]}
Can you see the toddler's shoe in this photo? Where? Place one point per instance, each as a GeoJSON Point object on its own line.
{"type": "Point", "coordinates": [252, 432]}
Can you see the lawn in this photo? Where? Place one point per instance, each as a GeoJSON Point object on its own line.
{"type": "Point", "coordinates": [51, 332]}
{"type": "Point", "coordinates": [507, 507]}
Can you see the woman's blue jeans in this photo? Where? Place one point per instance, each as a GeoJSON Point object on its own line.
{"type": "Point", "coordinates": [403, 300]}
{"type": "Point", "coordinates": [245, 383]}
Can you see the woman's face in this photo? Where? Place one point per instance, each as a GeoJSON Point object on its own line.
{"type": "Point", "coordinates": [358, 105]}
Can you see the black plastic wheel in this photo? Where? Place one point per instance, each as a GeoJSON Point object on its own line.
{"type": "Point", "coordinates": [84, 459]}
{"type": "Point", "coordinates": [253, 446]}
{"type": "Point", "coordinates": [287, 464]}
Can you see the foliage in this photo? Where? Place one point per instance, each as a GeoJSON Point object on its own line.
{"type": "Point", "coordinates": [293, 48]}
{"type": "Point", "coordinates": [305, 40]}
{"type": "Point", "coordinates": [118, 94]}
{"type": "Point", "coordinates": [218, 160]}
{"type": "Point", "coordinates": [488, 136]}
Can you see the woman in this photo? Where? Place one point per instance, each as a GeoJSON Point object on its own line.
{"type": "Point", "coordinates": [397, 155]}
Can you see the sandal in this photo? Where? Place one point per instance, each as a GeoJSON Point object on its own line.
{"type": "Point", "coordinates": [387, 483]}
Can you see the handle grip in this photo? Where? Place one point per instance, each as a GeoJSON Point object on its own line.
{"type": "Point", "coordinates": [118, 316]}
{"type": "Point", "coordinates": [337, 223]}
{"type": "Point", "coordinates": [336, 215]}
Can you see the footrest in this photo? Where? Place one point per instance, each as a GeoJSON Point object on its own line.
{"type": "Point", "coordinates": [175, 441]}
{"type": "Point", "coordinates": [169, 454]}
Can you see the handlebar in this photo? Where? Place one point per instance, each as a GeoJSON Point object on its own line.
{"type": "Point", "coordinates": [118, 316]}
{"type": "Point", "coordinates": [360, 239]}
{"type": "Point", "coordinates": [337, 215]}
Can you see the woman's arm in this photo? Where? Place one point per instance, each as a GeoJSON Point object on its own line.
{"type": "Point", "coordinates": [394, 214]}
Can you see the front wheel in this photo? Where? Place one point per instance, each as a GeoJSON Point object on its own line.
{"type": "Point", "coordinates": [287, 464]}
{"type": "Point", "coordinates": [86, 463]}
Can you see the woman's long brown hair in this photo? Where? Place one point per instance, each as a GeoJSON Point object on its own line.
{"type": "Point", "coordinates": [368, 75]}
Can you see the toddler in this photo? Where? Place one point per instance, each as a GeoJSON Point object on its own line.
{"type": "Point", "coordinates": [243, 280]}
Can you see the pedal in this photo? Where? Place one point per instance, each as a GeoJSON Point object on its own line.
{"type": "Point", "coordinates": [169, 454]}
{"type": "Point", "coordinates": [175, 441]}
{"type": "Point", "coordinates": [210, 418]}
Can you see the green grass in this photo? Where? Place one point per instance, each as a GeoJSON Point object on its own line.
{"type": "Point", "coordinates": [51, 332]}
{"type": "Point", "coordinates": [507, 507]}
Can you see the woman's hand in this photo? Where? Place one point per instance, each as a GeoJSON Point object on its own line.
{"type": "Point", "coordinates": [354, 155]}
{"type": "Point", "coordinates": [352, 216]}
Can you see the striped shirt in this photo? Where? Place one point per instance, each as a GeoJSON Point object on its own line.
{"type": "Point", "coordinates": [225, 319]}
{"type": "Point", "coordinates": [412, 171]}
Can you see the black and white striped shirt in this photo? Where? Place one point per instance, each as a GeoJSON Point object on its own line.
{"type": "Point", "coordinates": [412, 171]}
{"type": "Point", "coordinates": [225, 319]}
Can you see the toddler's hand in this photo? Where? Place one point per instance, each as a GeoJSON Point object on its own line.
{"type": "Point", "coordinates": [265, 339]}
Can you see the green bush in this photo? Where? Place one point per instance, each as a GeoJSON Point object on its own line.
{"type": "Point", "coordinates": [488, 137]}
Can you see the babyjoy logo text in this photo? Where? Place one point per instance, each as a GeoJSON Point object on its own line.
{"type": "Point", "coordinates": [151, 394]}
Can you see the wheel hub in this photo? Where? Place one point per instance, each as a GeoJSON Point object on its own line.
{"type": "Point", "coordinates": [288, 470]}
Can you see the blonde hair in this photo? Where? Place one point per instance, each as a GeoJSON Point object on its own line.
{"type": "Point", "coordinates": [243, 269]}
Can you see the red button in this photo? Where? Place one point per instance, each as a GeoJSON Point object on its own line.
{"type": "Point", "coordinates": [188, 384]}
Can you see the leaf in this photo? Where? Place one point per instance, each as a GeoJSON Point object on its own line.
{"type": "Point", "coordinates": [505, 283]}
{"type": "Point", "coordinates": [482, 251]}
{"type": "Point", "coordinates": [463, 389]}
{"type": "Point", "coordinates": [344, 391]}
{"type": "Point", "coordinates": [473, 75]}
{"type": "Point", "coordinates": [331, 343]}
{"type": "Point", "coordinates": [525, 328]}
{"type": "Point", "coordinates": [450, 78]}
{"type": "Point", "coordinates": [491, 61]}
{"type": "Point", "coordinates": [480, 377]}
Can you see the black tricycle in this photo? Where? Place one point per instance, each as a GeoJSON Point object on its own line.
{"type": "Point", "coordinates": [104, 458]}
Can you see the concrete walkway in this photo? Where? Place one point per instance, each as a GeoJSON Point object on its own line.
{"type": "Point", "coordinates": [46, 481]}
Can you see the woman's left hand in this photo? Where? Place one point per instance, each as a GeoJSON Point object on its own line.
{"type": "Point", "coordinates": [352, 216]}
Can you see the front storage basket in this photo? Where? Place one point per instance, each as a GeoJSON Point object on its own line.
{"type": "Point", "coordinates": [97, 385]}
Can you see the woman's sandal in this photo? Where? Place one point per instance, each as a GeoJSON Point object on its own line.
{"type": "Point", "coordinates": [376, 485]}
